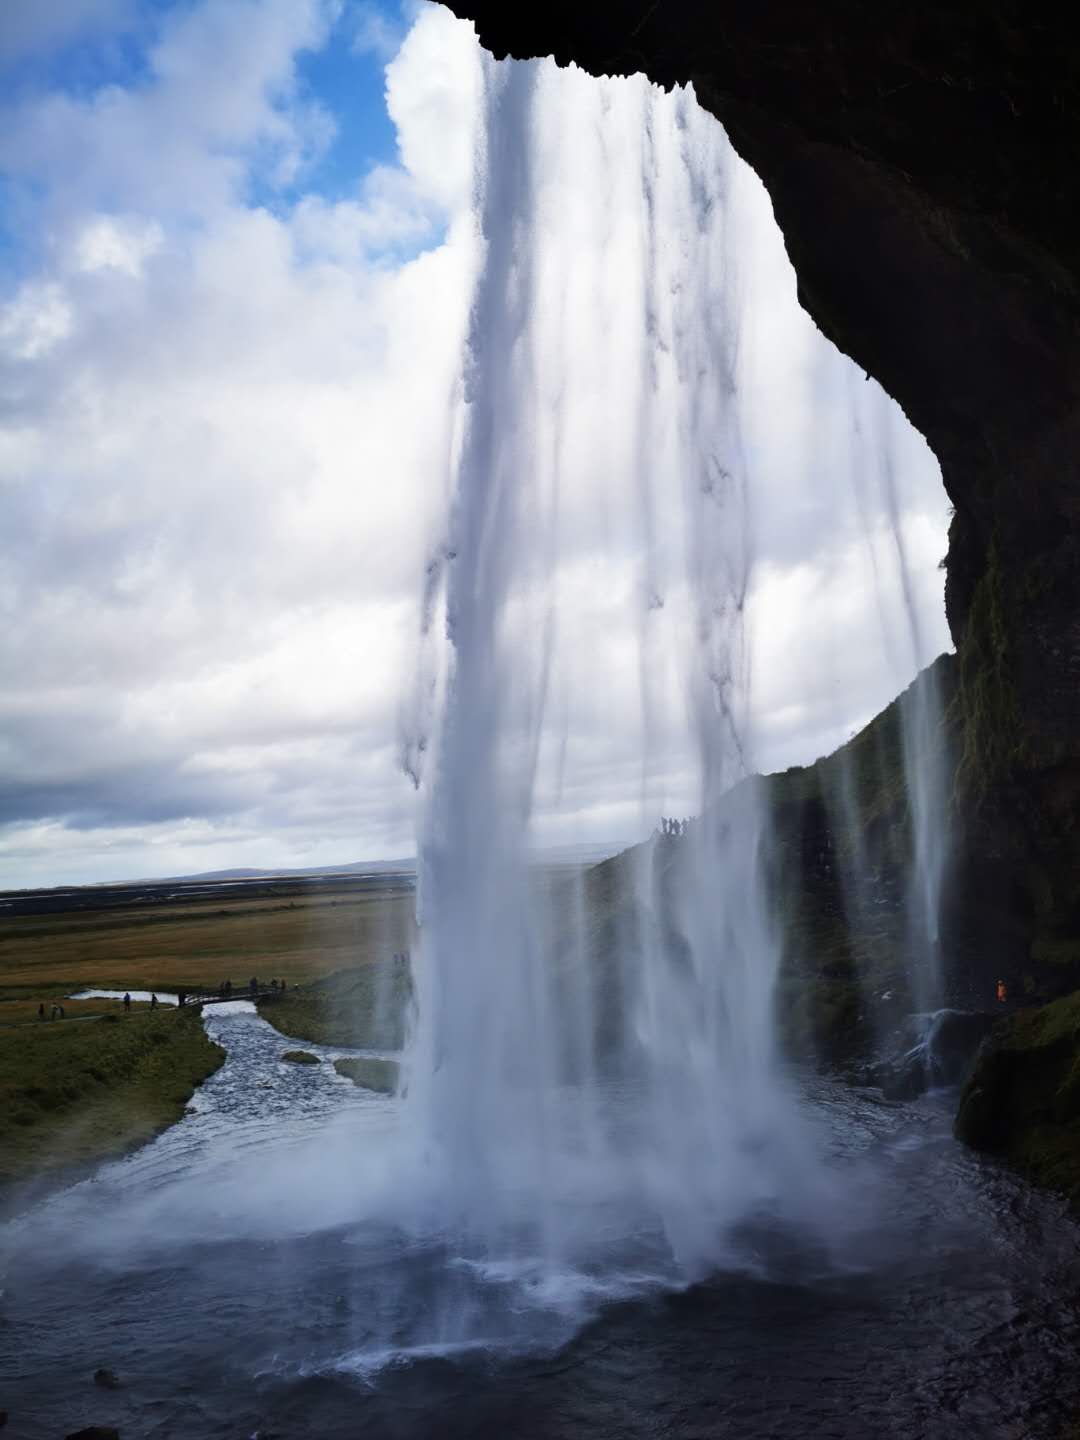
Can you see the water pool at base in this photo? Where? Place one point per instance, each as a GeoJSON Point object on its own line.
{"type": "Point", "coordinates": [223, 1274]}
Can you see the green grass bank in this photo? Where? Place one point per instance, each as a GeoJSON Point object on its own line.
{"type": "Point", "coordinates": [364, 1006]}
{"type": "Point", "coordinates": [78, 1091]}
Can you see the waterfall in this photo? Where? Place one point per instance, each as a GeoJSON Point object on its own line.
{"type": "Point", "coordinates": [924, 759]}
{"type": "Point", "coordinates": [594, 1062]}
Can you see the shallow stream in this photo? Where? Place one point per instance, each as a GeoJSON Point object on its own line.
{"type": "Point", "coordinates": [223, 1274]}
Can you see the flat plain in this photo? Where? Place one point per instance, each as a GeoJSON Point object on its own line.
{"type": "Point", "coordinates": [81, 1088]}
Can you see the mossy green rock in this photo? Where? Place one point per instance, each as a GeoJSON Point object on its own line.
{"type": "Point", "coordinates": [370, 1073]}
{"type": "Point", "coordinates": [300, 1057]}
{"type": "Point", "coordinates": [1023, 1098]}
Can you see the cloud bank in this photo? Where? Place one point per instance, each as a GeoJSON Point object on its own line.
{"type": "Point", "coordinates": [227, 399]}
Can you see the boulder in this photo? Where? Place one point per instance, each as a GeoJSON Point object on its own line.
{"type": "Point", "coordinates": [370, 1073]}
{"type": "Point", "coordinates": [300, 1057]}
{"type": "Point", "coordinates": [953, 1042]}
{"type": "Point", "coordinates": [904, 1080]}
{"type": "Point", "coordinates": [1022, 1100]}
{"type": "Point", "coordinates": [107, 1379]}
{"type": "Point", "coordinates": [943, 1055]}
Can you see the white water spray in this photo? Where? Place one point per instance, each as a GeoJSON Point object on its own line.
{"type": "Point", "coordinates": [593, 1077]}
{"type": "Point", "coordinates": [922, 735]}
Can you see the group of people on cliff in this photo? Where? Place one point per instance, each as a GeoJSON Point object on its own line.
{"type": "Point", "coordinates": [671, 829]}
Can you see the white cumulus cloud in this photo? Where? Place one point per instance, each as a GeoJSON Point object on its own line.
{"type": "Point", "coordinates": [227, 411]}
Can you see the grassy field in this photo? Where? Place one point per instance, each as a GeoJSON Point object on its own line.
{"type": "Point", "coordinates": [75, 1092]}
{"type": "Point", "coordinates": [81, 1089]}
{"type": "Point", "coordinates": [193, 943]}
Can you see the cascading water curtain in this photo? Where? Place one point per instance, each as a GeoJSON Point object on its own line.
{"type": "Point", "coordinates": [600, 419]}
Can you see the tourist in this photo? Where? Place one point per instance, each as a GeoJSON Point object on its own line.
{"type": "Point", "coordinates": [127, 1003]}
{"type": "Point", "coordinates": [41, 1011]}
{"type": "Point", "coordinates": [153, 1002]}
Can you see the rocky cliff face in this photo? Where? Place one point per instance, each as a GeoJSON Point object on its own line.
{"type": "Point", "coordinates": [921, 162]}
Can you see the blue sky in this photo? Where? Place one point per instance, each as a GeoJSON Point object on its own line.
{"type": "Point", "coordinates": [346, 74]}
{"type": "Point", "coordinates": [84, 48]}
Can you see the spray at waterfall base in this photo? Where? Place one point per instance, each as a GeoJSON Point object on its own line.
{"type": "Point", "coordinates": [594, 1082]}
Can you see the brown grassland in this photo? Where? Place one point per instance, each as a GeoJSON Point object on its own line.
{"type": "Point", "coordinates": [295, 936]}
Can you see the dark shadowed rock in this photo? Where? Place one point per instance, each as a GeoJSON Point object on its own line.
{"type": "Point", "coordinates": [107, 1379]}
{"type": "Point", "coordinates": [1022, 1100]}
{"type": "Point", "coordinates": [953, 1043]}
{"type": "Point", "coordinates": [300, 1057]}
{"type": "Point", "coordinates": [942, 1055]}
{"type": "Point", "coordinates": [95, 1432]}
{"type": "Point", "coordinates": [904, 1080]}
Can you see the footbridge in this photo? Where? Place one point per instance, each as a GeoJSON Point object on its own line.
{"type": "Point", "coordinates": [229, 997]}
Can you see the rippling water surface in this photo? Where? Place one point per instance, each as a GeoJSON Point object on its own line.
{"type": "Point", "coordinates": [223, 1273]}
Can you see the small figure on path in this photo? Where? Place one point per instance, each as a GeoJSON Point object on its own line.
{"type": "Point", "coordinates": [181, 997]}
{"type": "Point", "coordinates": [41, 1011]}
{"type": "Point", "coordinates": [153, 1002]}
{"type": "Point", "coordinates": [127, 1003]}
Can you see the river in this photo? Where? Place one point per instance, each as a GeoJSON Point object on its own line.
{"type": "Point", "coordinates": [223, 1274]}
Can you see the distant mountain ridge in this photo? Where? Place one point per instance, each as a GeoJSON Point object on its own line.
{"type": "Point", "coordinates": [355, 867]}
{"type": "Point", "coordinates": [557, 855]}
{"type": "Point", "coordinates": [581, 854]}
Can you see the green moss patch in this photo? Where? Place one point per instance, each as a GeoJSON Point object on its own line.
{"type": "Point", "coordinates": [1023, 1098]}
{"type": "Point", "coordinates": [300, 1057]}
{"type": "Point", "coordinates": [370, 1074]}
